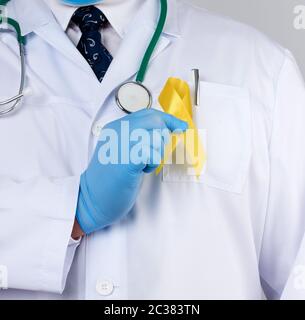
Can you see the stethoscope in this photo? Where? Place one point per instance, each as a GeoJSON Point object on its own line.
{"type": "Point", "coordinates": [130, 97]}
{"type": "Point", "coordinates": [12, 24]}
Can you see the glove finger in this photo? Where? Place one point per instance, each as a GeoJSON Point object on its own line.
{"type": "Point", "coordinates": [147, 155]}
{"type": "Point", "coordinates": [155, 119]}
{"type": "Point", "coordinates": [154, 160]}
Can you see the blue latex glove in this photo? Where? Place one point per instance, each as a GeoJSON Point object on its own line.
{"type": "Point", "coordinates": [108, 191]}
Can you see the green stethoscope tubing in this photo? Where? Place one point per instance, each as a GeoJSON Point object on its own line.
{"type": "Point", "coordinates": [13, 23]}
{"type": "Point", "coordinates": [153, 42]}
{"type": "Point", "coordinates": [21, 41]}
{"type": "Point", "coordinates": [128, 102]}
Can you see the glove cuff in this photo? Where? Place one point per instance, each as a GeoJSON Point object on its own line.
{"type": "Point", "coordinates": [86, 211]}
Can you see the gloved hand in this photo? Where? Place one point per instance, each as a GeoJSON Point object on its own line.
{"type": "Point", "coordinates": [108, 191]}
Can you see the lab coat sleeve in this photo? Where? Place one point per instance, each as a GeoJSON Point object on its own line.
{"type": "Point", "coordinates": [283, 245]}
{"type": "Point", "coordinates": [36, 220]}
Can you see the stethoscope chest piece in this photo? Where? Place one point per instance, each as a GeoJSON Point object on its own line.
{"type": "Point", "coordinates": [133, 96]}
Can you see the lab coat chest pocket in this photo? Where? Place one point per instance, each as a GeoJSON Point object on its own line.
{"type": "Point", "coordinates": [224, 122]}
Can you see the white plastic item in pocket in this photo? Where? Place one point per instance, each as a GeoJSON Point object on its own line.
{"type": "Point", "coordinates": [224, 121]}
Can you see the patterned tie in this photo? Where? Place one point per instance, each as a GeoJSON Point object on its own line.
{"type": "Point", "coordinates": [90, 20]}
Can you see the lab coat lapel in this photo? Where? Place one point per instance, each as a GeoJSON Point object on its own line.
{"type": "Point", "coordinates": [44, 24]}
{"type": "Point", "coordinates": [56, 37]}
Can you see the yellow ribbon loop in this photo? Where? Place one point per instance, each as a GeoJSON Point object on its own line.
{"type": "Point", "coordinates": [175, 99]}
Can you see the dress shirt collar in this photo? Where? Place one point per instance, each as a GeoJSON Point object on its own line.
{"type": "Point", "coordinates": [118, 12]}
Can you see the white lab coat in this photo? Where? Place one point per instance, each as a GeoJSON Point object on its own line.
{"type": "Point", "coordinates": [236, 230]}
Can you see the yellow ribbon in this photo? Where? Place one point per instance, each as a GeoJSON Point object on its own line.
{"type": "Point", "coordinates": [175, 99]}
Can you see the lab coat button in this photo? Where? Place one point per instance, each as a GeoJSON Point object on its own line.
{"type": "Point", "coordinates": [104, 287]}
{"type": "Point", "coordinates": [96, 129]}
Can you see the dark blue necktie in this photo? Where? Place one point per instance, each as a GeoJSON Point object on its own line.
{"type": "Point", "coordinates": [90, 20]}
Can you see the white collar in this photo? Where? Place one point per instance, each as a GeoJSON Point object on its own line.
{"type": "Point", "coordinates": [22, 11]}
{"type": "Point", "coordinates": [118, 12]}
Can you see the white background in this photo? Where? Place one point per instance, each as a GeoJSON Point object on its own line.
{"type": "Point", "coordinates": [273, 17]}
